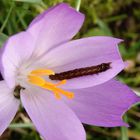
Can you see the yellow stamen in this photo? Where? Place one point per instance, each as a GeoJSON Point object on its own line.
{"type": "Point", "coordinates": [49, 87]}
{"type": "Point", "coordinates": [42, 72]}
{"type": "Point", "coordinates": [57, 95]}
{"type": "Point", "coordinates": [68, 94]}
{"type": "Point", "coordinates": [35, 78]}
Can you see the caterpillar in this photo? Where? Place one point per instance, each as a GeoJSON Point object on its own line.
{"type": "Point", "coordinates": [81, 72]}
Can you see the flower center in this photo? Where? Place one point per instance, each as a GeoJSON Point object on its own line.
{"type": "Point", "coordinates": [35, 78]}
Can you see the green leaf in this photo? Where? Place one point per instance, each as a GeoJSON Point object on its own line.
{"type": "Point", "coordinates": [7, 18]}
{"type": "Point", "coordinates": [104, 27]}
{"type": "Point", "coordinates": [30, 1]}
{"type": "Point", "coordinates": [3, 38]}
{"type": "Point", "coordinates": [124, 131]}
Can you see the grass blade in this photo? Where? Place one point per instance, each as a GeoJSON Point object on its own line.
{"type": "Point", "coordinates": [78, 4]}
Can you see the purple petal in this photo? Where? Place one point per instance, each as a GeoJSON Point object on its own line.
{"type": "Point", "coordinates": [103, 105]}
{"type": "Point", "coordinates": [16, 50]}
{"type": "Point", "coordinates": [55, 26]}
{"type": "Point", "coordinates": [86, 52]}
{"type": "Point", "coordinates": [8, 106]}
{"type": "Point", "coordinates": [53, 119]}
{"type": "Point", "coordinates": [40, 16]}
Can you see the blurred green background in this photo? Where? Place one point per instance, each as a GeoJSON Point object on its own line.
{"type": "Point", "coordinates": [118, 18]}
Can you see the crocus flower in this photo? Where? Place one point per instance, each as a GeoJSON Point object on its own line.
{"type": "Point", "coordinates": [62, 83]}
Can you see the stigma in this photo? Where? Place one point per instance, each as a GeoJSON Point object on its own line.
{"type": "Point", "coordinates": [35, 77]}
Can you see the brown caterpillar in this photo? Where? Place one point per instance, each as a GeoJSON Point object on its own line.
{"type": "Point", "coordinates": [81, 72]}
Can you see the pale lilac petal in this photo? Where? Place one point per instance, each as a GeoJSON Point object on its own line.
{"type": "Point", "coordinates": [53, 119]}
{"type": "Point", "coordinates": [40, 16]}
{"type": "Point", "coordinates": [8, 106]}
{"type": "Point", "coordinates": [103, 105]}
{"type": "Point", "coordinates": [55, 26]}
{"type": "Point", "coordinates": [85, 52]}
{"type": "Point", "coordinates": [15, 52]}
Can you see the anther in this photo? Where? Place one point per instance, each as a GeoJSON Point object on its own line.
{"type": "Point", "coordinates": [35, 78]}
{"type": "Point", "coordinates": [42, 72]}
